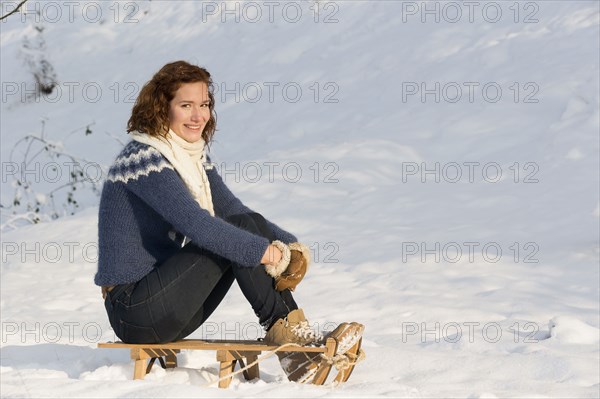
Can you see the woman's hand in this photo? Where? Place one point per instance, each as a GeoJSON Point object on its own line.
{"type": "Point", "coordinates": [272, 255]}
{"type": "Point", "coordinates": [276, 258]}
{"type": "Point", "coordinates": [296, 270]}
{"type": "Point", "coordinates": [287, 264]}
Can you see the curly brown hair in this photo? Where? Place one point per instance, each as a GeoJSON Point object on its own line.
{"type": "Point", "coordinates": [150, 113]}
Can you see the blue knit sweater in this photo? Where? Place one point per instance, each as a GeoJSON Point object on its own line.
{"type": "Point", "coordinates": [146, 210]}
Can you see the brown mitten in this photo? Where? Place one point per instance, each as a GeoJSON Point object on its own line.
{"type": "Point", "coordinates": [296, 270]}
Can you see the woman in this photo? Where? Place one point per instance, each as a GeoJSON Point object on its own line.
{"type": "Point", "coordinates": [173, 237]}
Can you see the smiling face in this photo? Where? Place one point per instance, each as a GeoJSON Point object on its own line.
{"type": "Point", "coordinates": [189, 111]}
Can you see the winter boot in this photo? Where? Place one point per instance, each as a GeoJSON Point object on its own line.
{"type": "Point", "coordinates": [294, 329]}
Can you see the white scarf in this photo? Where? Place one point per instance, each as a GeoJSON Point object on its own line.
{"type": "Point", "coordinates": [187, 159]}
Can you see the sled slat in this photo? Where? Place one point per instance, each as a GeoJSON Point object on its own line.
{"type": "Point", "coordinates": [229, 352]}
{"type": "Point", "coordinates": [210, 345]}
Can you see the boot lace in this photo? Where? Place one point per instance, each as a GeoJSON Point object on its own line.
{"type": "Point", "coordinates": [304, 331]}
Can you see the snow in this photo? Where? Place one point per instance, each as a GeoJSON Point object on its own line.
{"type": "Point", "coordinates": [463, 232]}
{"type": "Point", "coordinates": [573, 331]}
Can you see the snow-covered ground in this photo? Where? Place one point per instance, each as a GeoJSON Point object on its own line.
{"type": "Point", "coordinates": [440, 158]}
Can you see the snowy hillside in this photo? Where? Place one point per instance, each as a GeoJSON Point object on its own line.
{"type": "Point", "coordinates": [441, 159]}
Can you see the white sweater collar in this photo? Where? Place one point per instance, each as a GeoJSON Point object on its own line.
{"type": "Point", "coordinates": [194, 150]}
{"type": "Point", "coordinates": [189, 167]}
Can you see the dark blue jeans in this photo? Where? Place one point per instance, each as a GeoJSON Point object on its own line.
{"type": "Point", "coordinates": [179, 295]}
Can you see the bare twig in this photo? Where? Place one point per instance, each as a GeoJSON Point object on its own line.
{"type": "Point", "coordinates": [13, 11]}
{"type": "Point", "coordinates": [33, 203]}
{"type": "Point", "coordinates": [118, 140]}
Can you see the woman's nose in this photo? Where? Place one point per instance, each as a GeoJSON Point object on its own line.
{"type": "Point", "coordinates": [197, 115]}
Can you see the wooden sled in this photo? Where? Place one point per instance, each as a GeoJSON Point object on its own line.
{"type": "Point", "coordinates": [229, 352]}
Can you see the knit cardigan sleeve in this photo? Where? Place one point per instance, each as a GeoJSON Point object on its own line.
{"type": "Point", "coordinates": [166, 193]}
{"type": "Point", "coordinates": [227, 204]}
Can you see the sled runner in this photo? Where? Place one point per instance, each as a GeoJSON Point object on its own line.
{"type": "Point", "coordinates": [346, 350]}
{"type": "Point", "coordinates": [230, 352]}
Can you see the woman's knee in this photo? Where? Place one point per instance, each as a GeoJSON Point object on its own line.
{"type": "Point", "coordinates": [252, 222]}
